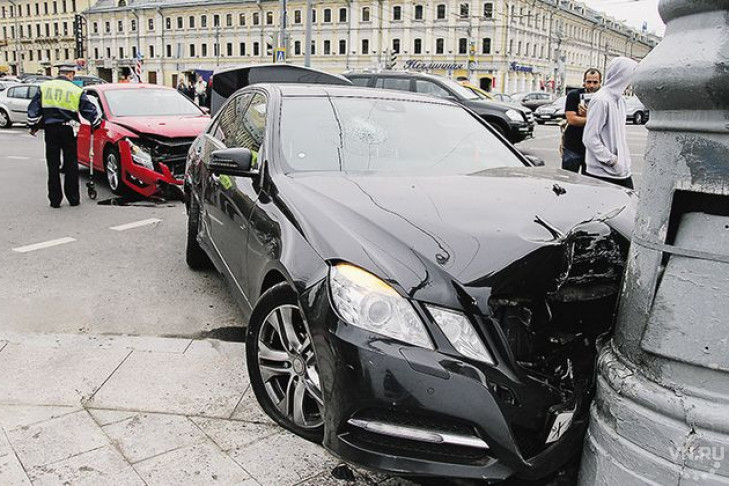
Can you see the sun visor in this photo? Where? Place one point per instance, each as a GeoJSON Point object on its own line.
{"type": "Point", "coordinates": [229, 80]}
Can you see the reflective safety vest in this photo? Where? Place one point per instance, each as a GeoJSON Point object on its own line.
{"type": "Point", "coordinates": [60, 94]}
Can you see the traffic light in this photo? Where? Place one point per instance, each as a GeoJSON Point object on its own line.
{"type": "Point", "coordinates": [391, 59]}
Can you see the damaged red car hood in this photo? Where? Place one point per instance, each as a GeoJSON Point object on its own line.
{"type": "Point", "coordinates": [469, 226]}
{"type": "Point", "coordinates": [165, 126]}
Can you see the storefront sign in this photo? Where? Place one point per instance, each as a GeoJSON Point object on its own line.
{"type": "Point", "coordinates": [520, 68]}
{"type": "Point", "coordinates": [427, 66]}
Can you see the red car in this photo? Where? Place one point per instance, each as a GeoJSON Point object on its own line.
{"type": "Point", "coordinates": [143, 140]}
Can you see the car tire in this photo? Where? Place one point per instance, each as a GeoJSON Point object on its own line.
{"type": "Point", "coordinates": [195, 256]}
{"type": "Point", "coordinates": [283, 369]}
{"type": "Point", "coordinates": [638, 118]}
{"type": "Point", "coordinates": [113, 171]}
{"type": "Point", "coordinates": [5, 119]}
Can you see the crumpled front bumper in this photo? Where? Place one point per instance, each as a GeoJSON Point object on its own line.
{"type": "Point", "coordinates": [148, 182]}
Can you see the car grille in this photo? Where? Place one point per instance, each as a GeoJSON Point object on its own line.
{"type": "Point", "coordinates": [172, 152]}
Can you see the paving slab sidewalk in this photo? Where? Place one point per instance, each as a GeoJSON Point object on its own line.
{"type": "Point", "coordinates": [122, 410]}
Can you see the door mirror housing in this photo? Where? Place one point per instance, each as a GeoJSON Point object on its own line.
{"type": "Point", "coordinates": [236, 161]}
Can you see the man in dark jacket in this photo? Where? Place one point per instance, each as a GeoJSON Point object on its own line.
{"type": "Point", "coordinates": [56, 105]}
{"type": "Point", "coordinates": [573, 150]}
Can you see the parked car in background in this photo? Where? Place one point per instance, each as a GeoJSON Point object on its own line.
{"type": "Point", "coordinates": [551, 112]}
{"type": "Point", "coordinates": [503, 97]}
{"type": "Point", "coordinates": [476, 90]}
{"type": "Point", "coordinates": [6, 84]}
{"type": "Point", "coordinates": [635, 110]}
{"type": "Point", "coordinates": [14, 103]}
{"type": "Point", "coordinates": [87, 80]}
{"type": "Point", "coordinates": [144, 137]}
{"type": "Point", "coordinates": [533, 100]}
{"type": "Point", "coordinates": [514, 122]}
{"type": "Point", "coordinates": [418, 297]}
{"type": "Point", "coordinates": [34, 78]}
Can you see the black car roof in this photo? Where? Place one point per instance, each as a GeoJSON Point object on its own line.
{"type": "Point", "coordinates": [395, 74]}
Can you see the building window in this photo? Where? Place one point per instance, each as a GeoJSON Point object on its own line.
{"type": "Point", "coordinates": [440, 11]}
{"type": "Point", "coordinates": [229, 49]}
{"type": "Point", "coordinates": [180, 23]}
{"type": "Point", "coordinates": [168, 23]}
{"type": "Point", "coordinates": [256, 48]}
{"type": "Point", "coordinates": [168, 50]}
{"type": "Point", "coordinates": [242, 48]}
{"type": "Point", "coordinates": [191, 22]}
{"type": "Point", "coordinates": [150, 24]}
{"type": "Point", "coordinates": [396, 46]}
{"type": "Point", "coordinates": [96, 53]}
{"type": "Point", "coordinates": [526, 51]}
{"type": "Point", "coordinates": [365, 14]}
{"type": "Point", "coordinates": [55, 9]}
{"type": "Point", "coordinates": [327, 47]}
{"type": "Point", "coordinates": [151, 52]}
{"type": "Point", "coordinates": [297, 17]}
{"type": "Point", "coordinates": [342, 46]}
{"type": "Point", "coordinates": [365, 46]}
{"type": "Point", "coordinates": [134, 52]}
{"type": "Point", "coordinates": [439, 46]}
{"type": "Point", "coordinates": [297, 48]}
{"type": "Point", "coordinates": [488, 10]}
{"type": "Point", "coordinates": [107, 28]}
{"type": "Point", "coordinates": [462, 45]}
{"type": "Point", "coordinates": [256, 19]}
{"type": "Point", "coordinates": [204, 50]}
{"type": "Point", "coordinates": [486, 45]}
{"type": "Point", "coordinates": [121, 53]}
{"type": "Point", "coordinates": [313, 47]}
{"type": "Point", "coordinates": [203, 21]}
{"type": "Point", "coordinates": [396, 13]}
{"type": "Point", "coordinates": [342, 14]}
{"type": "Point", "coordinates": [120, 26]}
{"type": "Point", "coordinates": [65, 29]}
{"type": "Point", "coordinates": [229, 20]}
{"type": "Point", "coordinates": [269, 18]}
{"type": "Point", "coordinates": [327, 15]}
{"type": "Point", "coordinates": [216, 20]}
{"type": "Point", "coordinates": [418, 46]}
{"type": "Point", "coordinates": [313, 15]}
{"type": "Point", "coordinates": [192, 50]}
{"type": "Point", "coordinates": [94, 28]}
{"type": "Point", "coordinates": [463, 11]}
{"type": "Point", "coordinates": [242, 20]}
{"type": "Point", "coordinates": [418, 12]}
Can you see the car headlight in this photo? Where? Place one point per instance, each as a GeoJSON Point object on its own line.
{"type": "Point", "coordinates": [459, 331]}
{"type": "Point", "coordinates": [514, 115]}
{"type": "Point", "coordinates": [140, 156]}
{"type": "Point", "coordinates": [367, 302]}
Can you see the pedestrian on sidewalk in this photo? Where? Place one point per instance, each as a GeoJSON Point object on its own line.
{"type": "Point", "coordinates": [55, 107]}
{"type": "Point", "coordinates": [573, 150]}
{"type": "Point", "coordinates": [607, 156]}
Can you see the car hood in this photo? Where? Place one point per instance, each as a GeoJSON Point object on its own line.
{"type": "Point", "coordinates": [498, 104]}
{"type": "Point", "coordinates": [411, 229]}
{"type": "Point", "coordinates": [165, 126]}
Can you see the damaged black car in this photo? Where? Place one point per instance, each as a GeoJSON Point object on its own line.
{"type": "Point", "coordinates": [420, 298]}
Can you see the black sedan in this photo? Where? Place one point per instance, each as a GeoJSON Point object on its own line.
{"type": "Point", "coordinates": [419, 297]}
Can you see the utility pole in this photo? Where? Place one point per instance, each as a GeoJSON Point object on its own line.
{"type": "Point", "coordinates": [660, 416]}
{"type": "Point", "coordinates": [307, 42]}
{"type": "Point", "coordinates": [18, 53]}
{"type": "Point", "coordinates": [217, 45]}
{"type": "Point", "coordinates": [283, 42]}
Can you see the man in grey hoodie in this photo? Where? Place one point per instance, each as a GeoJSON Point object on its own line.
{"type": "Point", "coordinates": [607, 155]}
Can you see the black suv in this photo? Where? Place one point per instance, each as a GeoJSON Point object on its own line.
{"type": "Point", "coordinates": [514, 122]}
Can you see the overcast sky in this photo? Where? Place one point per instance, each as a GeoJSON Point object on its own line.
{"type": "Point", "coordinates": [634, 12]}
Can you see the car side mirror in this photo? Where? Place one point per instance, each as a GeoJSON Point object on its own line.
{"type": "Point", "coordinates": [236, 161]}
{"type": "Point", "coordinates": [534, 160]}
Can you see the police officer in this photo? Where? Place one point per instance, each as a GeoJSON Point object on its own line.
{"type": "Point", "coordinates": [57, 104]}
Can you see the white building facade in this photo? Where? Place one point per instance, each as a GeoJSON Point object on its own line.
{"type": "Point", "coordinates": [509, 46]}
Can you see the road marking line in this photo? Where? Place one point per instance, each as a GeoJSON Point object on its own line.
{"type": "Point", "coordinates": [136, 224]}
{"type": "Point", "coordinates": [17, 157]}
{"type": "Point", "coordinates": [45, 244]}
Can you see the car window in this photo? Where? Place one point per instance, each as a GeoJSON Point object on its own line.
{"type": "Point", "coordinates": [230, 120]}
{"type": "Point", "coordinates": [250, 126]}
{"type": "Point", "coordinates": [360, 81]}
{"type": "Point", "coordinates": [225, 124]}
{"type": "Point", "coordinates": [400, 84]}
{"type": "Point", "coordinates": [18, 92]}
{"type": "Point", "coordinates": [32, 90]}
{"type": "Point", "coordinates": [430, 88]}
{"type": "Point", "coordinates": [383, 135]}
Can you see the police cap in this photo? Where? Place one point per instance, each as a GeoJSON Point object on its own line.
{"type": "Point", "coordinates": [66, 68]}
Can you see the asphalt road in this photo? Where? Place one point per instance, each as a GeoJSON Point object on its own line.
{"type": "Point", "coordinates": [105, 277]}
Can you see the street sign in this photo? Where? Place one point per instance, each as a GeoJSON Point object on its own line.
{"type": "Point", "coordinates": [279, 55]}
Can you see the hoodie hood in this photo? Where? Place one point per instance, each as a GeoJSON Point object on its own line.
{"type": "Point", "coordinates": [618, 76]}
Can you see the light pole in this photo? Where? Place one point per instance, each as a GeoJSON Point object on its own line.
{"type": "Point", "coordinates": [660, 416]}
{"type": "Point", "coordinates": [19, 65]}
{"type": "Point", "coordinates": [307, 41]}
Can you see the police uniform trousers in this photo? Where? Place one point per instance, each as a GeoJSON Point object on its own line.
{"type": "Point", "coordinates": [59, 140]}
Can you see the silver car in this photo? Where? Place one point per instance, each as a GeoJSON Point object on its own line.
{"type": "Point", "coordinates": [14, 103]}
{"type": "Point", "coordinates": [551, 112]}
{"type": "Point", "coordinates": [635, 110]}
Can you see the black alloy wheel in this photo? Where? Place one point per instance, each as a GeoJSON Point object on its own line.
{"type": "Point", "coordinates": [113, 170]}
{"type": "Point", "coordinates": [282, 365]}
{"type": "Point", "coordinates": [195, 256]}
{"type": "Point", "coordinates": [638, 118]}
{"type": "Point", "coordinates": [5, 119]}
